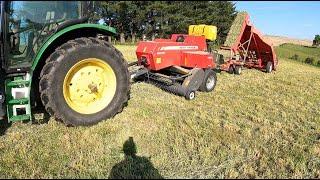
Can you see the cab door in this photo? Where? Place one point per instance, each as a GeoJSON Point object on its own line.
{"type": "Point", "coordinates": [18, 37]}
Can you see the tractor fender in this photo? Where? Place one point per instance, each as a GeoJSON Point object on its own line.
{"type": "Point", "coordinates": [54, 37]}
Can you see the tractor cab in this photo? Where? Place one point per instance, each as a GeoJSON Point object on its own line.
{"type": "Point", "coordinates": [26, 25]}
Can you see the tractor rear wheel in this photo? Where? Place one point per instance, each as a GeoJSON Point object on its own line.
{"type": "Point", "coordinates": [209, 82]}
{"type": "Point", "coordinates": [84, 81]}
{"type": "Point", "coordinates": [269, 67]}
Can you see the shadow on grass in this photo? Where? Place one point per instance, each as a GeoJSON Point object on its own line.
{"type": "Point", "coordinates": [40, 115]}
{"type": "Point", "coordinates": [133, 166]}
{"type": "Point", "coordinates": [4, 125]}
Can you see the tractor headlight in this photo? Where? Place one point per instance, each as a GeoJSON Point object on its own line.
{"type": "Point", "coordinates": [1, 98]}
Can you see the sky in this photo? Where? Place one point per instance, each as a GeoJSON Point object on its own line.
{"type": "Point", "coordinates": [296, 19]}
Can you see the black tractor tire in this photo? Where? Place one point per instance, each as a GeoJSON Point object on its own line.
{"type": "Point", "coordinates": [237, 70]}
{"type": "Point", "coordinates": [55, 70]}
{"type": "Point", "coordinates": [269, 67]}
{"type": "Point", "coordinates": [231, 69]}
{"type": "Point", "coordinates": [190, 95]}
{"type": "Point", "coordinates": [209, 75]}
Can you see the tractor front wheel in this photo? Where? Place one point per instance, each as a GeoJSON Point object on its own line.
{"type": "Point", "coordinates": [84, 81]}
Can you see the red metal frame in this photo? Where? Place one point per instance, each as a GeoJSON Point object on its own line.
{"type": "Point", "coordinates": [163, 53]}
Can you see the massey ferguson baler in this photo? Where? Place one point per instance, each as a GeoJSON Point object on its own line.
{"type": "Point", "coordinates": [185, 63]}
{"type": "Point", "coordinates": [182, 64]}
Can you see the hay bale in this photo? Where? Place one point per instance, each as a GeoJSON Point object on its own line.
{"type": "Point", "coordinates": [235, 29]}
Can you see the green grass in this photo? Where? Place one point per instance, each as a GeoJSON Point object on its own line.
{"type": "Point", "coordinates": [303, 52]}
{"type": "Point", "coordinates": [256, 125]}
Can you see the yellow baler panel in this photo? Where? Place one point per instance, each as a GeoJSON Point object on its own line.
{"type": "Point", "coordinates": [210, 32]}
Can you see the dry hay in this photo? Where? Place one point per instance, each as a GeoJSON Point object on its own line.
{"type": "Point", "coordinates": [235, 29]}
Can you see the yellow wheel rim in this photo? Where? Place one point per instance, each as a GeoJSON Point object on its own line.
{"type": "Point", "coordinates": [89, 86]}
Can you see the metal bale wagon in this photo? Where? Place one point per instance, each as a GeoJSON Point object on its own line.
{"type": "Point", "coordinates": [246, 47]}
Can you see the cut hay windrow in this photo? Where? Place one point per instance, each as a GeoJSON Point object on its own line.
{"type": "Point", "coordinates": [235, 29]}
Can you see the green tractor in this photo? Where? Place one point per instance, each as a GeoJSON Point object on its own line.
{"type": "Point", "coordinates": [53, 57]}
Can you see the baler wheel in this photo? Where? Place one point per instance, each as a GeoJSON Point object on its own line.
{"type": "Point", "coordinates": [84, 81]}
{"type": "Point", "coordinates": [209, 82]}
{"type": "Point", "coordinates": [238, 70]}
{"type": "Point", "coordinates": [190, 95]}
{"type": "Point", "coordinates": [269, 67]}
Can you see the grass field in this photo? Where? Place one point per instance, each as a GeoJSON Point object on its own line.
{"type": "Point", "coordinates": [256, 125]}
{"type": "Point", "coordinates": [302, 52]}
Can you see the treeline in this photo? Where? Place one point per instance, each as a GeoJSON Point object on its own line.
{"type": "Point", "coordinates": [159, 19]}
{"type": "Point", "coordinates": [316, 40]}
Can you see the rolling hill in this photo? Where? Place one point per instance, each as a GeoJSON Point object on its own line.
{"type": "Point", "coordinates": [299, 53]}
{"type": "Point", "coordinates": [278, 40]}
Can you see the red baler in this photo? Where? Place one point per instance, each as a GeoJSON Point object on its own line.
{"type": "Point", "coordinates": [184, 63]}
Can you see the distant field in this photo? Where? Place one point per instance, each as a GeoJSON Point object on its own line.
{"type": "Point", "coordinates": [302, 52]}
{"type": "Point", "coordinates": [255, 125]}
{"type": "Point", "coordinates": [278, 40]}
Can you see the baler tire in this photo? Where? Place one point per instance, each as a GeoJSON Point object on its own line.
{"type": "Point", "coordinates": [237, 70]}
{"type": "Point", "coordinates": [208, 74]}
{"type": "Point", "coordinates": [58, 66]}
{"type": "Point", "coordinates": [269, 67]}
{"type": "Point", "coordinates": [190, 95]}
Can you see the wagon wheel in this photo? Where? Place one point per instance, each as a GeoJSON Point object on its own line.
{"type": "Point", "coordinates": [269, 67]}
{"type": "Point", "coordinates": [238, 70]}
{"type": "Point", "coordinates": [231, 69]}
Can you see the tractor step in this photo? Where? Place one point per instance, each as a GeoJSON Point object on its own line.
{"type": "Point", "coordinates": [18, 83]}
{"type": "Point", "coordinates": [18, 101]}
{"type": "Point", "coordinates": [17, 97]}
{"type": "Point", "coordinates": [20, 118]}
